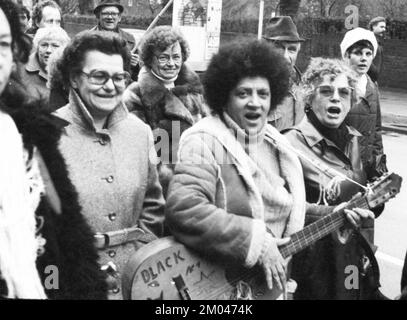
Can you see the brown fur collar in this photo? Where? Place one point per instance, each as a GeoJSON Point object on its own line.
{"type": "Point", "coordinates": [152, 90]}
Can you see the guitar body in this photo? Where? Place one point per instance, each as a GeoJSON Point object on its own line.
{"type": "Point", "coordinates": [167, 270]}
{"type": "Point", "coordinates": [151, 274]}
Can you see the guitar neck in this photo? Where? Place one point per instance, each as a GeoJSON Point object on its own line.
{"type": "Point", "coordinates": [319, 229]}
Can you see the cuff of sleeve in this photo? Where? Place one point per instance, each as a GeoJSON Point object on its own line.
{"type": "Point", "coordinates": [257, 243]}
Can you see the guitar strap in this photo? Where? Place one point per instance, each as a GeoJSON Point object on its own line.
{"type": "Point", "coordinates": [370, 272]}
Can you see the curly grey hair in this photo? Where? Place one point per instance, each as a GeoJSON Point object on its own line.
{"type": "Point", "coordinates": [317, 69]}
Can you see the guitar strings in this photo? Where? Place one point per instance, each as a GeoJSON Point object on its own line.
{"type": "Point", "coordinates": [337, 222]}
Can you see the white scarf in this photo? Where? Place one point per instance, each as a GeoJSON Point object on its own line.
{"type": "Point", "coordinates": [168, 83]}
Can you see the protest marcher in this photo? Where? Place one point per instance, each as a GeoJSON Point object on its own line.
{"type": "Point", "coordinates": [109, 15]}
{"type": "Point", "coordinates": [110, 152]}
{"type": "Point", "coordinates": [378, 26]}
{"type": "Point", "coordinates": [282, 33]}
{"type": "Point", "coordinates": [24, 15]}
{"type": "Point", "coordinates": [358, 48]}
{"type": "Point", "coordinates": [168, 94]}
{"type": "Point", "coordinates": [42, 230]}
{"type": "Point", "coordinates": [34, 74]}
{"type": "Point", "coordinates": [235, 195]}
{"type": "Point", "coordinates": [45, 13]}
{"type": "Point", "coordinates": [324, 137]}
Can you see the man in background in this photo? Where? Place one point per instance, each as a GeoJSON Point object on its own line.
{"type": "Point", "coordinates": [282, 33]}
{"type": "Point", "coordinates": [378, 26]}
{"type": "Point", "coordinates": [45, 14]}
{"type": "Point", "coordinates": [109, 14]}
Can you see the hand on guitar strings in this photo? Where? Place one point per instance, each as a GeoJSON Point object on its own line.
{"type": "Point", "coordinates": [356, 215]}
{"type": "Point", "coordinates": [354, 220]}
{"type": "Point", "coordinates": [272, 262]}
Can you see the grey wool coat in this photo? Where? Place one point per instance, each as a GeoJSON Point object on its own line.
{"type": "Point", "coordinates": [115, 174]}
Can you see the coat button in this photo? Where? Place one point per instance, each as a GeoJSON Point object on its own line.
{"type": "Point", "coordinates": [112, 253]}
{"type": "Point", "coordinates": [102, 141]}
{"type": "Point", "coordinates": [112, 216]}
{"type": "Point", "coordinates": [116, 290]}
{"type": "Point", "coordinates": [110, 179]}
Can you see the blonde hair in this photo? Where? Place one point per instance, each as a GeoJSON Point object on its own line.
{"type": "Point", "coordinates": [51, 32]}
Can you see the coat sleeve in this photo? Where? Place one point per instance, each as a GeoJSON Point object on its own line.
{"type": "Point", "coordinates": [193, 216]}
{"type": "Point", "coordinates": [380, 165]}
{"type": "Point", "coordinates": [152, 217]}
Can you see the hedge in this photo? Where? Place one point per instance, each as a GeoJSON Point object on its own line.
{"type": "Point", "coordinates": [307, 27]}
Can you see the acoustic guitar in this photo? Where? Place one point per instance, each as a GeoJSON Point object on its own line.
{"type": "Point", "coordinates": [167, 270]}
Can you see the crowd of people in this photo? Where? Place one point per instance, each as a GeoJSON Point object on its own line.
{"type": "Point", "coordinates": [108, 145]}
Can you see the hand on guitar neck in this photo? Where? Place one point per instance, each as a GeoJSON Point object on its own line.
{"type": "Point", "coordinates": [354, 220]}
{"type": "Point", "coordinates": [272, 262]}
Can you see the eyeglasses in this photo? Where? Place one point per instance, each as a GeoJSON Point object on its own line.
{"type": "Point", "coordinates": [163, 58]}
{"type": "Point", "coordinates": [119, 79]}
{"type": "Point", "coordinates": [112, 14]}
{"type": "Point", "coordinates": [328, 91]}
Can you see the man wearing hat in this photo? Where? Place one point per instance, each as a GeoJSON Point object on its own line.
{"type": "Point", "coordinates": [282, 33]}
{"type": "Point", "coordinates": [109, 14]}
{"type": "Point", "coordinates": [378, 27]}
{"type": "Point", "coordinates": [358, 48]}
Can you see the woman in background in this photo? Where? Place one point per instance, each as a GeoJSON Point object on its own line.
{"type": "Point", "coordinates": [167, 95]}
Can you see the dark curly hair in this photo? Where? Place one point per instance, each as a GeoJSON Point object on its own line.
{"type": "Point", "coordinates": [20, 42]}
{"type": "Point", "coordinates": [73, 55]}
{"type": "Point", "coordinates": [160, 38]}
{"type": "Point", "coordinates": [239, 60]}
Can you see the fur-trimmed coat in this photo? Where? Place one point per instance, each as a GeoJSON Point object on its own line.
{"type": "Point", "coordinates": [69, 240]}
{"type": "Point", "coordinates": [214, 205]}
{"type": "Point", "coordinates": [168, 112]}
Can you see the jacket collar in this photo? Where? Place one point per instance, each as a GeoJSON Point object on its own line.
{"type": "Point", "coordinates": [83, 118]}
{"type": "Point", "coordinates": [289, 162]}
{"type": "Point", "coordinates": [97, 28]}
{"type": "Point", "coordinates": [153, 91]}
{"type": "Point", "coordinates": [33, 66]}
{"type": "Point", "coordinates": [312, 136]}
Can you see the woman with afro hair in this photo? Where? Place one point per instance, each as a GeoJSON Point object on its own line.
{"type": "Point", "coordinates": [236, 194]}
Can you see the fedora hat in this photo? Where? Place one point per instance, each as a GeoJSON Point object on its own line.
{"type": "Point", "coordinates": [281, 29]}
{"type": "Point", "coordinates": [108, 3]}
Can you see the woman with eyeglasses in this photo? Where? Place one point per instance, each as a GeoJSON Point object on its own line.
{"type": "Point", "coordinates": [167, 95]}
{"type": "Point", "coordinates": [110, 152]}
{"type": "Point", "coordinates": [323, 137]}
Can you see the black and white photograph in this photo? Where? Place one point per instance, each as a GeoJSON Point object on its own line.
{"type": "Point", "coordinates": [274, 171]}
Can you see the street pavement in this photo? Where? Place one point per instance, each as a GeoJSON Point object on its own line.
{"type": "Point", "coordinates": [394, 110]}
{"type": "Point", "coordinates": [391, 226]}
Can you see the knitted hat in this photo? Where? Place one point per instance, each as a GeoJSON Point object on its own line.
{"type": "Point", "coordinates": [355, 35]}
